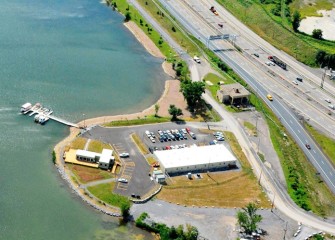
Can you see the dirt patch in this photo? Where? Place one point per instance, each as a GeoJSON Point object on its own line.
{"type": "Point", "coordinates": [144, 39]}
{"type": "Point", "coordinates": [173, 96]}
{"type": "Point", "coordinates": [87, 174]}
{"type": "Point", "coordinates": [228, 189]}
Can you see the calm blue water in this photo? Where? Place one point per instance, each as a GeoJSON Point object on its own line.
{"type": "Point", "coordinates": [77, 58]}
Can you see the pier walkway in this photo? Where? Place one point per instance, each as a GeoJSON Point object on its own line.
{"type": "Point", "coordinates": [45, 113]}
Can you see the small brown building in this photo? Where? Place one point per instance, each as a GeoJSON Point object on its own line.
{"type": "Point", "coordinates": [233, 93]}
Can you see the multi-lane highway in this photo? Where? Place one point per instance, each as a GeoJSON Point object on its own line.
{"type": "Point", "coordinates": [196, 25]}
{"type": "Point", "coordinates": [272, 186]}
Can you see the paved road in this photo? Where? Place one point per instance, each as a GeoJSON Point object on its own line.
{"type": "Point", "coordinates": [272, 186]}
{"type": "Point", "coordinates": [289, 120]}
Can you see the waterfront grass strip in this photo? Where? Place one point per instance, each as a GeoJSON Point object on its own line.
{"type": "Point", "coordinates": [138, 121]}
{"type": "Point", "coordinates": [104, 192]}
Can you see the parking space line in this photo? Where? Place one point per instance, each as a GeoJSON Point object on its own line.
{"type": "Point", "coordinates": [130, 164]}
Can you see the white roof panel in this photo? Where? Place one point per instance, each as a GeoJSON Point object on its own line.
{"type": "Point", "coordinates": [194, 156]}
{"type": "Point", "coordinates": [106, 156]}
{"type": "Point", "coordinates": [85, 153]}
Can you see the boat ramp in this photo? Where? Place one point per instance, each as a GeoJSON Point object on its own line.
{"type": "Point", "coordinates": [42, 114]}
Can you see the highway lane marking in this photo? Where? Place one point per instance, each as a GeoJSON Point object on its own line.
{"type": "Point", "coordinates": [330, 173]}
{"type": "Point", "coordinates": [299, 131]}
{"type": "Point", "coordinates": [291, 121]}
{"type": "Point", "coordinates": [322, 162]}
{"type": "Point", "coordinates": [314, 151]}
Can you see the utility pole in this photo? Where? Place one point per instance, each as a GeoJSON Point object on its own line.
{"type": "Point", "coordinates": [285, 229]}
{"type": "Point", "coordinates": [273, 202]}
{"type": "Point", "coordinates": [323, 77]}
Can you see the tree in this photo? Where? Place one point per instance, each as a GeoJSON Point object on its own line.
{"type": "Point", "coordinates": [175, 112]}
{"type": "Point", "coordinates": [317, 33]}
{"type": "Point", "coordinates": [173, 29]}
{"type": "Point", "coordinates": [127, 17]}
{"type": "Point", "coordinates": [191, 232]}
{"type": "Point", "coordinates": [125, 210]}
{"type": "Point", "coordinates": [192, 92]}
{"type": "Point", "coordinates": [296, 21]}
{"type": "Point", "coordinates": [248, 218]}
{"type": "Point", "coordinates": [156, 109]}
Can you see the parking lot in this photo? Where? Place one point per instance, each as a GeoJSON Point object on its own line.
{"type": "Point", "coordinates": [169, 131]}
{"type": "Point", "coordinates": [135, 168]}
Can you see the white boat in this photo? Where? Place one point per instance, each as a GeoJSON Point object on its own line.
{"type": "Point", "coordinates": [26, 107]}
{"type": "Point", "coordinates": [37, 118]}
{"type": "Point", "coordinates": [43, 119]}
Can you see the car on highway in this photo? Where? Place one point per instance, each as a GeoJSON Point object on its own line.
{"type": "Point", "coordinates": [124, 155]}
{"type": "Point", "coordinates": [122, 180]}
{"type": "Point", "coordinates": [308, 146]}
{"type": "Point", "coordinates": [256, 54]}
{"type": "Point", "coordinates": [295, 82]}
{"type": "Point", "coordinates": [331, 106]}
{"type": "Point", "coordinates": [328, 100]}
{"type": "Point", "coordinates": [299, 79]}
{"type": "Point", "coordinates": [269, 97]}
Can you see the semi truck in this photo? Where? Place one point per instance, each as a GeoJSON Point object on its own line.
{"type": "Point", "coordinates": [277, 61]}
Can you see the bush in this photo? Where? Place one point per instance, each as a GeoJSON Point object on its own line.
{"type": "Point", "coordinates": [53, 157]}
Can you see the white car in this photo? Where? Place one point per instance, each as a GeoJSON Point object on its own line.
{"type": "Point", "coordinates": [123, 180]}
{"type": "Point", "coordinates": [328, 100]}
{"type": "Point", "coordinates": [331, 106]}
{"type": "Point", "coordinates": [124, 154]}
{"type": "Point", "coordinates": [196, 59]}
{"type": "Point", "coordinates": [295, 82]}
{"type": "Point", "coordinates": [152, 140]}
{"type": "Point", "coordinates": [184, 130]}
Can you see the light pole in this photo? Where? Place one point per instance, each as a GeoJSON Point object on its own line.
{"type": "Point", "coordinates": [273, 202]}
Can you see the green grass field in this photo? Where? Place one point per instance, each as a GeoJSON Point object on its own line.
{"type": "Point", "coordinates": [138, 121]}
{"type": "Point", "coordinates": [276, 31]}
{"type": "Point", "coordinates": [104, 193]}
{"type": "Point", "coordinates": [309, 10]}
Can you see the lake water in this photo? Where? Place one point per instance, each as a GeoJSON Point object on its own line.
{"type": "Point", "coordinates": [77, 58]}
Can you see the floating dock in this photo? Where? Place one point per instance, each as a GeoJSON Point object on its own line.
{"type": "Point", "coordinates": [43, 114]}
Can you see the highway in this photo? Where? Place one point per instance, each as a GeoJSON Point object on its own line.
{"type": "Point", "coordinates": [273, 188]}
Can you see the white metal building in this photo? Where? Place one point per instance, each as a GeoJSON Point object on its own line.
{"type": "Point", "coordinates": [104, 159]}
{"type": "Point", "coordinates": [195, 158]}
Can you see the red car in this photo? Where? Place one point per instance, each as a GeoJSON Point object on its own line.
{"type": "Point", "coordinates": [188, 130]}
{"type": "Point", "coordinates": [307, 146]}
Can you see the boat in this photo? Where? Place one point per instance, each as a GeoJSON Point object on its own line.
{"type": "Point", "coordinates": [37, 118]}
{"type": "Point", "coordinates": [43, 119]}
{"type": "Point", "coordinates": [26, 107]}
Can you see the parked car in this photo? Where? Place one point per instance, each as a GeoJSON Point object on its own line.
{"type": "Point", "coordinates": [188, 130]}
{"type": "Point", "coordinates": [184, 130]}
{"type": "Point", "coordinates": [124, 155]}
{"type": "Point", "coordinates": [192, 135]}
{"type": "Point", "coordinates": [148, 134]}
{"type": "Point", "coordinates": [152, 140]}
{"type": "Point", "coordinates": [123, 180]}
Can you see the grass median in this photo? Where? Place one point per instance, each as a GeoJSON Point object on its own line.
{"type": "Point", "coordinates": [138, 121]}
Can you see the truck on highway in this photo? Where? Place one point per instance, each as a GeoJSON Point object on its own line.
{"type": "Point", "coordinates": [277, 61]}
{"type": "Point", "coordinates": [212, 9]}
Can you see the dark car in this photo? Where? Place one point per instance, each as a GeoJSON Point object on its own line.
{"type": "Point", "coordinates": [308, 146]}
{"type": "Point", "coordinates": [256, 55]}
{"type": "Point", "coordinates": [299, 79]}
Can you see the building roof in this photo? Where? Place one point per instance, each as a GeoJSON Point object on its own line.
{"type": "Point", "coordinates": [194, 156]}
{"type": "Point", "coordinates": [234, 90]}
{"type": "Point", "coordinates": [106, 156]}
{"type": "Point", "coordinates": [85, 153]}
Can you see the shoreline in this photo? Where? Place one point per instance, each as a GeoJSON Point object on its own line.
{"type": "Point", "coordinates": [74, 132]}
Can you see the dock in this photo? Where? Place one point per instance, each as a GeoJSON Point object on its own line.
{"type": "Point", "coordinates": [43, 114]}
